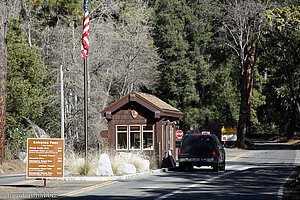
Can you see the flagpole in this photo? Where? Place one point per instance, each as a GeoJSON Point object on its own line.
{"type": "Point", "coordinates": [84, 52]}
{"type": "Point", "coordinates": [86, 108]}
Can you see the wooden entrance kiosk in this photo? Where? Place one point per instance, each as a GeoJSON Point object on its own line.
{"type": "Point", "coordinates": [142, 122]}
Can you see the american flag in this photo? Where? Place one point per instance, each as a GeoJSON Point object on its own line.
{"type": "Point", "coordinates": [86, 30]}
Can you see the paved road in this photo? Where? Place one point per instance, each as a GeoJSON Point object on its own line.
{"type": "Point", "coordinates": [11, 179]}
{"type": "Point", "coordinates": [250, 174]}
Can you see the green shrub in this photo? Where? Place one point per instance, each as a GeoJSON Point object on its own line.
{"type": "Point", "coordinates": [17, 141]}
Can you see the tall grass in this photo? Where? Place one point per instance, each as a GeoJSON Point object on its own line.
{"type": "Point", "coordinates": [75, 163]}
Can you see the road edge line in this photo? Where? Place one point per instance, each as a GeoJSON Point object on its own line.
{"type": "Point", "coordinates": [281, 189]}
{"type": "Point", "coordinates": [236, 157]}
{"type": "Point", "coordinates": [292, 174]}
{"type": "Point", "coordinates": [69, 194]}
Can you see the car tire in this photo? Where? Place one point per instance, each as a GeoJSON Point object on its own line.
{"type": "Point", "coordinates": [223, 165]}
{"type": "Point", "coordinates": [216, 167]}
{"type": "Point", "coordinates": [182, 166]}
{"type": "Point", "coordinates": [190, 167]}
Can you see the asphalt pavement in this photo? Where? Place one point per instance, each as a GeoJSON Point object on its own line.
{"type": "Point", "coordinates": [249, 174]}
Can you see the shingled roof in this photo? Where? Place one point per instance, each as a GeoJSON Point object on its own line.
{"type": "Point", "coordinates": [150, 101]}
{"type": "Point", "coordinates": [156, 101]}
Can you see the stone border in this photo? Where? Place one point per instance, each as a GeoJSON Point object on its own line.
{"type": "Point", "coordinates": [110, 178]}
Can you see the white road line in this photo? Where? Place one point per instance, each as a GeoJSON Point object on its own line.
{"type": "Point", "coordinates": [240, 168]}
{"type": "Point", "coordinates": [192, 186]}
{"type": "Point", "coordinates": [280, 191]}
{"type": "Point", "coordinates": [208, 180]}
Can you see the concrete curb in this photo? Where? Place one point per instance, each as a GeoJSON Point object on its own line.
{"type": "Point", "coordinates": [110, 178]}
{"type": "Point", "coordinates": [11, 175]}
{"type": "Point", "coordinates": [97, 178]}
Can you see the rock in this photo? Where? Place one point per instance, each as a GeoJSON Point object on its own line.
{"type": "Point", "coordinates": [125, 156]}
{"type": "Point", "coordinates": [128, 168]}
{"type": "Point", "coordinates": [23, 156]}
{"type": "Point", "coordinates": [104, 166]}
{"type": "Point", "coordinates": [39, 133]}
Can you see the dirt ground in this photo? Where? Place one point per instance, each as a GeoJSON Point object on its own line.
{"type": "Point", "coordinates": [292, 187]}
{"type": "Point", "coordinates": [12, 166]}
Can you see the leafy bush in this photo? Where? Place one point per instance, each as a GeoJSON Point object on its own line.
{"type": "Point", "coordinates": [17, 140]}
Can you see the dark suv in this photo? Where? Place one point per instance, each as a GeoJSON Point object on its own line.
{"type": "Point", "coordinates": [199, 149]}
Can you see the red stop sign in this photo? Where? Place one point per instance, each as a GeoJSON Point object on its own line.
{"type": "Point", "coordinates": [179, 134]}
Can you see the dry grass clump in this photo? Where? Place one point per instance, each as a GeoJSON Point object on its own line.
{"type": "Point", "coordinates": [75, 163]}
{"type": "Point", "coordinates": [294, 142]}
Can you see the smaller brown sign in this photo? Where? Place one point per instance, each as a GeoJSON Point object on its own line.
{"type": "Point", "coordinates": [45, 158]}
{"type": "Point", "coordinates": [134, 114]}
{"type": "Point", "coordinates": [104, 133]}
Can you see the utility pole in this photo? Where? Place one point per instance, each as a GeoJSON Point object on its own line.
{"type": "Point", "coordinates": [62, 102]}
{"type": "Point", "coordinates": [3, 75]}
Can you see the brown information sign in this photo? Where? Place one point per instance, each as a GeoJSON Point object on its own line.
{"type": "Point", "coordinates": [45, 158]}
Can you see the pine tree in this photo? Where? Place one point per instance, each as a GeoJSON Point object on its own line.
{"type": "Point", "coordinates": [177, 78]}
{"type": "Point", "coordinates": [27, 76]}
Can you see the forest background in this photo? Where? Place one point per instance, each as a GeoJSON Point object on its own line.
{"type": "Point", "coordinates": [227, 62]}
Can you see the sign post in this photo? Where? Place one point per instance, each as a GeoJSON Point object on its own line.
{"type": "Point", "coordinates": [45, 158]}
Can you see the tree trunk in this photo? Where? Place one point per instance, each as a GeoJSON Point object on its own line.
{"type": "Point", "coordinates": [250, 70]}
{"type": "Point", "coordinates": [246, 94]}
{"type": "Point", "coordinates": [242, 127]}
{"type": "Point", "coordinates": [3, 75]}
{"type": "Point", "coordinates": [291, 129]}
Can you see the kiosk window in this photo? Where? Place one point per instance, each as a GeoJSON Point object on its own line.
{"type": "Point", "coordinates": [148, 137]}
{"type": "Point", "coordinates": [135, 137]}
{"type": "Point", "coordinates": [121, 137]}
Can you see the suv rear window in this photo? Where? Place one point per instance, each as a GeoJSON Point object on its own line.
{"type": "Point", "coordinates": [202, 141]}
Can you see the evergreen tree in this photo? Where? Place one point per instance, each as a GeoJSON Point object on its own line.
{"type": "Point", "coordinates": [242, 24]}
{"type": "Point", "coordinates": [281, 50]}
{"type": "Point", "coordinates": [215, 72]}
{"type": "Point", "coordinates": [27, 80]}
{"type": "Point", "coordinates": [177, 78]}
{"type": "Point", "coordinates": [196, 75]}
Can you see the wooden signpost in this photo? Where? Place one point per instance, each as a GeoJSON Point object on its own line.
{"type": "Point", "coordinates": [45, 158]}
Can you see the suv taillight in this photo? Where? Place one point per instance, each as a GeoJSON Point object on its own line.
{"type": "Point", "coordinates": [214, 152]}
{"type": "Point", "coordinates": [179, 151]}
